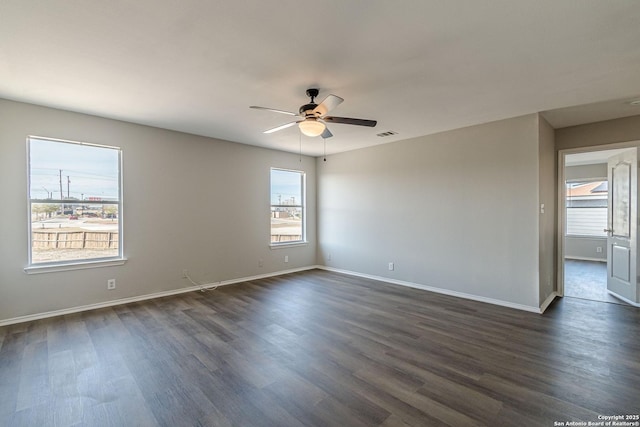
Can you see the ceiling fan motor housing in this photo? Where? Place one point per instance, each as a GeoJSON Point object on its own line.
{"type": "Point", "coordinates": [307, 109]}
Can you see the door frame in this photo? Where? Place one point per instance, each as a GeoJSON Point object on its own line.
{"type": "Point", "coordinates": [562, 197]}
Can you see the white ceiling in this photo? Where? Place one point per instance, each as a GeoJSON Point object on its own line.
{"type": "Point", "coordinates": [418, 67]}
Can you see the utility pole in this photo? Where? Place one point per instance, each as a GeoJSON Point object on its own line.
{"type": "Point", "coordinates": [61, 195]}
{"type": "Point", "coordinates": [68, 194]}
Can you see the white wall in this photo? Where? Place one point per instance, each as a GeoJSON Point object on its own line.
{"type": "Point", "coordinates": [456, 210]}
{"type": "Point", "coordinates": [189, 203]}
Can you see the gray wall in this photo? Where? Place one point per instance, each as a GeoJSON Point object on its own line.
{"type": "Point", "coordinates": [585, 248]}
{"type": "Point", "coordinates": [548, 172]}
{"type": "Point", "coordinates": [589, 172]}
{"type": "Point", "coordinates": [189, 203]}
{"type": "Point", "coordinates": [456, 210]}
{"type": "Point", "coordinates": [606, 132]}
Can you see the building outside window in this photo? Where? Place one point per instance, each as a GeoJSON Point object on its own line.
{"type": "Point", "coordinates": [587, 208]}
{"type": "Point", "coordinates": [75, 202]}
{"type": "Point", "coordinates": [287, 206]}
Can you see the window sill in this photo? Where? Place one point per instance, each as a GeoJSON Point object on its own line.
{"type": "Point", "coordinates": [54, 268]}
{"type": "Point", "coordinates": [287, 245]}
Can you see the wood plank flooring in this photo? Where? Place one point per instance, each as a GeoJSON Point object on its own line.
{"type": "Point", "coordinates": [321, 349]}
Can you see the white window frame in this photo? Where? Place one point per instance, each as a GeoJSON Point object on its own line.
{"type": "Point", "coordinates": [302, 206]}
{"type": "Point", "coordinates": [75, 264]}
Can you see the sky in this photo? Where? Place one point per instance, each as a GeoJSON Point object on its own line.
{"type": "Point", "coordinates": [287, 184]}
{"type": "Point", "coordinates": [91, 171]}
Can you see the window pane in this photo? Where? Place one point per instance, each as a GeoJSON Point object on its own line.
{"type": "Point", "coordinates": [62, 170]}
{"type": "Point", "coordinates": [82, 234]}
{"type": "Point", "coordinates": [74, 198]}
{"type": "Point", "coordinates": [587, 208]}
{"type": "Point", "coordinates": [286, 188]}
{"type": "Point", "coordinates": [286, 224]}
{"type": "Point", "coordinates": [586, 222]}
{"type": "Point", "coordinates": [287, 206]}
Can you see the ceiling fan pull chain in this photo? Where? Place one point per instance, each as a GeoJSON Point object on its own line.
{"type": "Point", "coordinates": [324, 140]}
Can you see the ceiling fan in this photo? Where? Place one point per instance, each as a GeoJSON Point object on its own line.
{"type": "Point", "coordinates": [314, 116]}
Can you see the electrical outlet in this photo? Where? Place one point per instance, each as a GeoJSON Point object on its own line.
{"type": "Point", "coordinates": [599, 249]}
{"type": "Point", "coordinates": [185, 274]}
{"type": "Point", "coordinates": [328, 257]}
{"type": "Point", "coordinates": [111, 284]}
{"type": "Point", "coordinates": [260, 263]}
{"type": "Point", "coordinates": [286, 258]}
{"type": "Point", "coordinates": [391, 266]}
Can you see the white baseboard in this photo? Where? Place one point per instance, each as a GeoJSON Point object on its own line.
{"type": "Point", "coordinates": [112, 303]}
{"type": "Point", "coordinates": [548, 301]}
{"type": "Point", "coordinates": [621, 298]}
{"type": "Point", "coordinates": [583, 258]}
{"type": "Point", "coordinates": [436, 290]}
{"type": "Point", "coordinates": [120, 301]}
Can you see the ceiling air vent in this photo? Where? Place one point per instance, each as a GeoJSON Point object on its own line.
{"type": "Point", "coordinates": [387, 133]}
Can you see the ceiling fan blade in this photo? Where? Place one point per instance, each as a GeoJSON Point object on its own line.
{"type": "Point", "coordinates": [326, 134]}
{"type": "Point", "coordinates": [288, 125]}
{"type": "Point", "coordinates": [350, 121]}
{"type": "Point", "coordinates": [274, 110]}
{"type": "Point", "coordinates": [328, 104]}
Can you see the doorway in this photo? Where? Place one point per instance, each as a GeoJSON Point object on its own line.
{"type": "Point", "coordinates": [585, 228]}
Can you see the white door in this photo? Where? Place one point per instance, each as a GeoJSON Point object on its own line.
{"type": "Point", "coordinates": [623, 220]}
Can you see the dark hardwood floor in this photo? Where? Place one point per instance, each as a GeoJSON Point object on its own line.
{"type": "Point", "coordinates": [321, 349]}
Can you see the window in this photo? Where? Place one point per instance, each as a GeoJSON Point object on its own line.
{"type": "Point", "coordinates": [587, 208]}
{"type": "Point", "coordinates": [75, 202]}
{"type": "Point", "coordinates": [287, 206]}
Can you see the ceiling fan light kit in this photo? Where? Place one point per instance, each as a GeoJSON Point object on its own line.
{"type": "Point", "coordinates": [312, 127]}
{"type": "Point", "coordinates": [314, 116]}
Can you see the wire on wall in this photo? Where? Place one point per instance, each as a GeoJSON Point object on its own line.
{"type": "Point", "coordinates": [202, 287]}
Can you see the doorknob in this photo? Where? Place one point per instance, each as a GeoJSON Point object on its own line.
{"type": "Point", "coordinates": [608, 230]}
